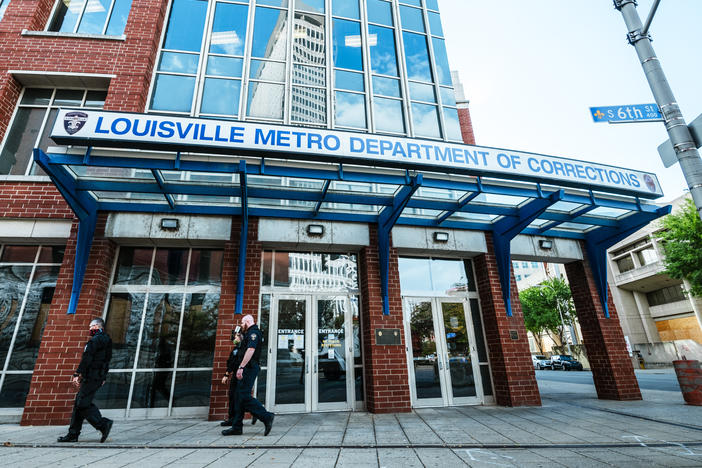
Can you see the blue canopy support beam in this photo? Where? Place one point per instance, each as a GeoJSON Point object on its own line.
{"type": "Point", "coordinates": [599, 240]}
{"type": "Point", "coordinates": [507, 229]}
{"type": "Point", "coordinates": [162, 186]}
{"type": "Point", "coordinates": [325, 189]}
{"type": "Point", "coordinates": [243, 239]}
{"type": "Point", "coordinates": [85, 208]}
{"type": "Point", "coordinates": [386, 220]}
{"type": "Point", "coordinates": [461, 204]}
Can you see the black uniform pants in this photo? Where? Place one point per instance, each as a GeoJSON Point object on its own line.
{"type": "Point", "coordinates": [245, 401]}
{"type": "Point", "coordinates": [232, 397]}
{"type": "Point", "coordinates": [85, 409]}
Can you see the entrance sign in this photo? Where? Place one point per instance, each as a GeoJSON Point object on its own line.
{"type": "Point", "coordinates": [169, 133]}
{"type": "Point", "coordinates": [627, 113]}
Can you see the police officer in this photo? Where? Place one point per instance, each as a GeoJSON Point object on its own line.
{"type": "Point", "coordinates": [246, 374]}
{"type": "Point", "coordinates": [90, 376]}
{"type": "Point", "coordinates": [232, 366]}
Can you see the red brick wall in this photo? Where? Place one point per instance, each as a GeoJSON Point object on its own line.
{"type": "Point", "coordinates": [227, 304]}
{"type": "Point", "coordinates": [385, 367]}
{"type": "Point", "coordinates": [32, 200]}
{"type": "Point", "coordinates": [510, 360]}
{"type": "Point", "coordinates": [466, 125]}
{"type": "Point", "coordinates": [50, 398]}
{"type": "Point", "coordinates": [611, 366]}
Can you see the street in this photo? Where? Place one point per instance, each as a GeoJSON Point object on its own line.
{"type": "Point", "coordinates": [649, 379]}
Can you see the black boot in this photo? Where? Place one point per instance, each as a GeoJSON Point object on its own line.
{"type": "Point", "coordinates": [232, 431]}
{"type": "Point", "coordinates": [269, 424]}
{"type": "Point", "coordinates": [68, 438]}
{"type": "Point", "coordinates": [105, 431]}
{"type": "Point", "coordinates": [254, 419]}
{"type": "Point", "coordinates": [227, 422]}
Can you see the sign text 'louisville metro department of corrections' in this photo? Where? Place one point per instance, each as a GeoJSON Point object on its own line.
{"type": "Point", "coordinates": [115, 129]}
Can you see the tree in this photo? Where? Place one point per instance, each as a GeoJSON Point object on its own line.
{"type": "Point", "coordinates": [540, 305]}
{"type": "Point", "coordinates": [682, 245]}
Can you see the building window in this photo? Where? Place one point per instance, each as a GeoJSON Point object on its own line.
{"type": "Point", "coordinates": [647, 256]}
{"type": "Point", "coordinates": [162, 316]}
{"type": "Point", "coordinates": [625, 264]}
{"type": "Point", "coordinates": [107, 17]}
{"type": "Point", "coordinates": [3, 7]}
{"type": "Point", "coordinates": [32, 124]}
{"type": "Point", "coordinates": [27, 280]}
{"type": "Point", "coordinates": [666, 295]}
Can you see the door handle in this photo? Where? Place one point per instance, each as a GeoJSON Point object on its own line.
{"type": "Point", "coordinates": [440, 368]}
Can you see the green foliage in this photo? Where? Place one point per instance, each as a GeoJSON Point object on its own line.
{"type": "Point", "coordinates": [540, 307]}
{"type": "Point", "coordinates": [682, 245]}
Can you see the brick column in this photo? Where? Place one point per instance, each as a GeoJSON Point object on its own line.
{"type": "Point", "coordinates": [611, 366]}
{"type": "Point", "coordinates": [510, 359]}
{"type": "Point", "coordinates": [385, 367]}
{"type": "Point", "coordinates": [51, 394]}
{"type": "Point", "coordinates": [466, 123]}
{"type": "Point", "coordinates": [226, 320]}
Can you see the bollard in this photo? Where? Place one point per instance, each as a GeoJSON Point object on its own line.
{"type": "Point", "coordinates": [690, 379]}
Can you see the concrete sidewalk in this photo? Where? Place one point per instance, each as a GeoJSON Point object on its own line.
{"type": "Point", "coordinates": [572, 428]}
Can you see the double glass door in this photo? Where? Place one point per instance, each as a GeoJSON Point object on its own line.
{"type": "Point", "coordinates": [313, 348]}
{"type": "Point", "coordinates": [444, 362]}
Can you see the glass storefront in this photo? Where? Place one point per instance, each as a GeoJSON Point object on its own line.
{"type": "Point", "coordinates": [310, 316]}
{"type": "Point", "coordinates": [27, 281]}
{"type": "Point", "coordinates": [447, 356]}
{"type": "Point", "coordinates": [162, 317]}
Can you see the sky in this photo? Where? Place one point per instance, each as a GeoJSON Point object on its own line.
{"type": "Point", "coordinates": [531, 70]}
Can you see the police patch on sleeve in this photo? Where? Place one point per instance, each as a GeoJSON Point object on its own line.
{"type": "Point", "coordinates": [253, 337]}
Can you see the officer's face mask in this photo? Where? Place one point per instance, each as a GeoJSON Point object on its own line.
{"type": "Point", "coordinates": [95, 331]}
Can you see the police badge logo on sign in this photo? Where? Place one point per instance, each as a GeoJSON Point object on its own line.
{"type": "Point", "coordinates": [74, 121]}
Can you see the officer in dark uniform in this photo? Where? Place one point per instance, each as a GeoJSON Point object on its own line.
{"type": "Point", "coordinates": [90, 376]}
{"type": "Point", "coordinates": [246, 374]}
{"type": "Point", "coordinates": [233, 362]}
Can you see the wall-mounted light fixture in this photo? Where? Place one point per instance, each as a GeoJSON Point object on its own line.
{"type": "Point", "coordinates": [440, 236]}
{"type": "Point", "coordinates": [315, 230]}
{"type": "Point", "coordinates": [169, 224]}
{"type": "Point", "coordinates": [546, 244]}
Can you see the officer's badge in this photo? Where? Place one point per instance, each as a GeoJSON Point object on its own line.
{"type": "Point", "coordinates": [74, 121]}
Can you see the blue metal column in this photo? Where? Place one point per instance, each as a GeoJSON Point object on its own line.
{"type": "Point", "coordinates": [243, 239]}
{"type": "Point", "coordinates": [598, 241]}
{"type": "Point", "coordinates": [386, 220]}
{"type": "Point", "coordinates": [507, 229]}
{"type": "Point", "coordinates": [86, 232]}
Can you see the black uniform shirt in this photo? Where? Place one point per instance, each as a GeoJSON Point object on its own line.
{"type": "Point", "coordinates": [96, 357]}
{"type": "Point", "coordinates": [253, 339]}
{"type": "Point", "coordinates": [235, 358]}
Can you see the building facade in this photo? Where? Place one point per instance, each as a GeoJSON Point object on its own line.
{"type": "Point", "coordinates": [305, 161]}
{"type": "Point", "coordinates": [654, 308]}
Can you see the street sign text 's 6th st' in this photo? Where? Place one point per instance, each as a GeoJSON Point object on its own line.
{"type": "Point", "coordinates": [626, 113]}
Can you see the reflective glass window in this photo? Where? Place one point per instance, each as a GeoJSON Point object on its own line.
{"type": "Point", "coordinates": [186, 25]}
{"type": "Point", "coordinates": [309, 39]}
{"type": "Point", "coordinates": [432, 4]}
{"type": "Point", "coordinates": [425, 119]}
{"type": "Point", "coordinates": [386, 86]}
{"type": "Point", "coordinates": [270, 34]}
{"type": "Point", "coordinates": [412, 2]}
{"type": "Point", "coordinates": [265, 100]}
{"type": "Point", "coordinates": [26, 292]}
{"type": "Point", "coordinates": [382, 50]}
{"type": "Point", "coordinates": [415, 274]}
{"type": "Point", "coordinates": [192, 389]}
{"type": "Point", "coordinates": [91, 16]}
{"type": "Point", "coordinates": [68, 97]}
{"type": "Point", "coordinates": [347, 45]}
{"type": "Point", "coordinates": [266, 70]}
{"type": "Point", "coordinates": [310, 5]}
{"type": "Point", "coordinates": [133, 266]}
{"type": "Point", "coordinates": [123, 320]}
{"type": "Point", "coordinates": [349, 80]}
{"type": "Point", "coordinates": [224, 66]}
{"type": "Point", "coordinates": [417, 57]}
{"type": "Point", "coordinates": [229, 29]}
{"type": "Point", "coordinates": [94, 15]}
{"type": "Point", "coordinates": [442, 66]}
{"type": "Point", "coordinates": [16, 152]}
{"type": "Point", "coordinates": [453, 126]}
{"type": "Point", "coordinates": [388, 115]}
{"type": "Point", "coordinates": [4, 3]}
{"type": "Point", "coordinates": [173, 93]}
{"type": "Point", "coordinates": [205, 267]}
{"type": "Point", "coordinates": [309, 105]}
{"type": "Point", "coordinates": [118, 18]}
{"type": "Point", "coordinates": [67, 14]}
{"type": "Point", "coordinates": [220, 97]}
{"type": "Point", "coordinates": [277, 3]}
{"type": "Point", "coordinates": [350, 110]}
{"type": "Point", "coordinates": [412, 18]}
{"type": "Point", "coordinates": [422, 92]}
{"type": "Point", "coordinates": [37, 96]}
{"type": "Point", "coordinates": [448, 97]}
{"type": "Point", "coordinates": [178, 62]}
{"type": "Point", "coordinates": [298, 271]}
{"type": "Point", "coordinates": [312, 76]}
{"type": "Point", "coordinates": [346, 8]}
{"type": "Point", "coordinates": [435, 24]}
{"type": "Point", "coordinates": [379, 11]}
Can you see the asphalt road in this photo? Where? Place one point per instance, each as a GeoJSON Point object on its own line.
{"type": "Point", "coordinates": [662, 380]}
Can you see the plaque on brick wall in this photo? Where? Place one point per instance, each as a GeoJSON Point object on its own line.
{"type": "Point", "coordinates": [514, 334]}
{"type": "Point", "coordinates": [388, 336]}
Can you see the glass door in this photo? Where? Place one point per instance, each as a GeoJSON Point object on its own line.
{"type": "Point", "coordinates": [289, 366]}
{"type": "Point", "coordinates": [444, 368]}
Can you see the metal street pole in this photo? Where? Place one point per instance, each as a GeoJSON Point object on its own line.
{"type": "Point", "coordinates": [680, 137]}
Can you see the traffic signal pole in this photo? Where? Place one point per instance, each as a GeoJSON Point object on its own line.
{"type": "Point", "coordinates": [680, 136]}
